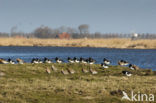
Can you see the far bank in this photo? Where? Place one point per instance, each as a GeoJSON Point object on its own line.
{"type": "Point", "coordinates": [106, 43]}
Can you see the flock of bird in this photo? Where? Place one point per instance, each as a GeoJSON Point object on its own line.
{"type": "Point", "coordinates": [104, 64]}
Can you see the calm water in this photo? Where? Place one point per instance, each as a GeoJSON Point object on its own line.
{"type": "Point", "coordinates": [142, 58]}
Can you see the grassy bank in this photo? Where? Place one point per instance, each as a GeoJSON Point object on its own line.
{"type": "Point", "coordinates": [108, 43]}
{"type": "Point", "coordinates": [30, 83]}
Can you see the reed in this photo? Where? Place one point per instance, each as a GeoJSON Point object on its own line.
{"type": "Point", "coordinates": [107, 43]}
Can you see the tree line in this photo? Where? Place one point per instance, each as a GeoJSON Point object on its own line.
{"type": "Point", "coordinates": [62, 32]}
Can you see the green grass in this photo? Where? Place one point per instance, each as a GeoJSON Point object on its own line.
{"type": "Point", "coordinates": [29, 83]}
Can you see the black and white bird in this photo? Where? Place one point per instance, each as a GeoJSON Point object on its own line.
{"type": "Point", "coordinates": [83, 60]}
{"type": "Point", "coordinates": [104, 65]}
{"type": "Point", "coordinates": [127, 73]}
{"type": "Point", "coordinates": [76, 60]}
{"type": "Point", "coordinates": [122, 63]}
{"type": "Point", "coordinates": [11, 61]}
{"type": "Point", "coordinates": [46, 60]}
{"type": "Point", "coordinates": [58, 60]}
{"type": "Point", "coordinates": [91, 60]}
{"type": "Point", "coordinates": [40, 61]}
{"type": "Point", "coordinates": [70, 60]}
{"type": "Point", "coordinates": [35, 61]}
{"type": "Point", "coordinates": [106, 61]}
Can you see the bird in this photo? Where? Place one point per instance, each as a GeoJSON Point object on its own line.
{"type": "Point", "coordinates": [2, 61]}
{"type": "Point", "coordinates": [40, 61]}
{"type": "Point", "coordinates": [11, 61]}
{"type": "Point", "coordinates": [105, 61]}
{"type": "Point", "coordinates": [53, 68]}
{"type": "Point", "coordinates": [58, 60]}
{"type": "Point", "coordinates": [76, 60]}
{"type": "Point", "coordinates": [70, 60]}
{"type": "Point", "coordinates": [19, 61]}
{"type": "Point", "coordinates": [71, 71]}
{"type": "Point", "coordinates": [133, 67]}
{"type": "Point", "coordinates": [48, 70]}
{"type": "Point", "coordinates": [93, 71]}
{"type": "Point", "coordinates": [2, 74]}
{"type": "Point", "coordinates": [65, 72]}
{"type": "Point", "coordinates": [35, 61]}
{"type": "Point", "coordinates": [46, 60]}
{"type": "Point", "coordinates": [83, 60]}
{"type": "Point", "coordinates": [91, 60]}
{"type": "Point", "coordinates": [122, 62]}
{"type": "Point", "coordinates": [84, 70]}
{"type": "Point", "coordinates": [104, 65]}
{"type": "Point", "coordinates": [127, 73]}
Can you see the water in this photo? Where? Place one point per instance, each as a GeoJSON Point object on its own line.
{"type": "Point", "coordinates": [145, 58]}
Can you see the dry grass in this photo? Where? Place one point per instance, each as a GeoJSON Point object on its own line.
{"type": "Point", "coordinates": [108, 43]}
{"type": "Point", "coordinates": [30, 83]}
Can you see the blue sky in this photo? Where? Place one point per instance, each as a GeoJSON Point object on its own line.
{"type": "Point", "coordinates": [105, 16]}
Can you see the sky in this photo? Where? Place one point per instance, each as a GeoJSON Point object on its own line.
{"type": "Point", "coordinates": [105, 16]}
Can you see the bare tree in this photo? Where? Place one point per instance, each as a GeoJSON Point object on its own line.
{"type": "Point", "coordinates": [43, 32]}
{"type": "Point", "coordinates": [97, 35]}
{"type": "Point", "coordinates": [62, 29]}
{"type": "Point", "coordinates": [13, 30]}
{"type": "Point", "coordinates": [84, 29]}
{"type": "Point", "coordinates": [4, 34]}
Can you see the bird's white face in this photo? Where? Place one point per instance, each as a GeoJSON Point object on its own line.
{"type": "Point", "coordinates": [107, 62]}
{"type": "Point", "coordinates": [132, 68]}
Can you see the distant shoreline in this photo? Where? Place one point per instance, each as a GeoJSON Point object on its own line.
{"type": "Point", "coordinates": [117, 43]}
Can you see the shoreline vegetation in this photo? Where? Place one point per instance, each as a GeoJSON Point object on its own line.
{"type": "Point", "coordinates": [30, 83]}
{"type": "Point", "coordinates": [122, 43]}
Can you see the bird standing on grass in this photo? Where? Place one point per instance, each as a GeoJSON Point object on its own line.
{"type": "Point", "coordinates": [65, 72]}
{"type": "Point", "coordinates": [46, 60]}
{"type": "Point", "coordinates": [2, 61]}
{"type": "Point", "coordinates": [127, 73]}
{"type": "Point", "coordinates": [48, 70]}
{"type": "Point", "coordinates": [84, 70]}
{"type": "Point", "coordinates": [91, 60]}
{"type": "Point", "coordinates": [83, 60]}
{"type": "Point", "coordinates": [35, 61]}
{"type": "Point", "coordinates": [106, 61]}
{"type": "Point", "coordinates": [93, 71]}
{"type": "Point", "coordinates": [11, 61]}
{"type": "Point", "coordinates": [2, 74]}
{"type": "Point", "coordinates": [123, 63]}
{"type": "Point", "coordinates": [70, 60]}
{"type": "Point", "coordinates": [133, 67]}
{"type": "Point", "coordinates": [58, 60]}
{"type": "Point", "coordinates": [104, 65]}
{"type": "Point", "coordinates": [76, 60]}
{"type": "Point", "coordinates": [71, 71]}
{"type": "Point", "coordinates": [53, 68]}
{"type": "Point", "coordinates": [19, 61]}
